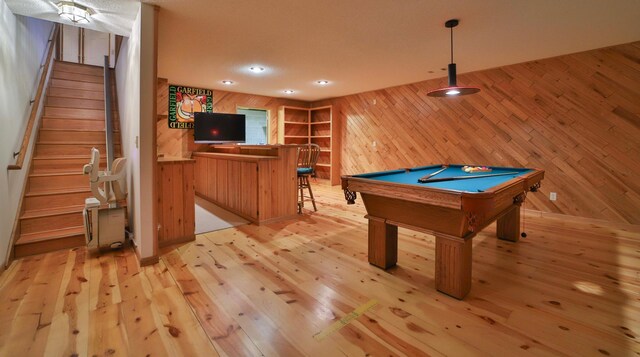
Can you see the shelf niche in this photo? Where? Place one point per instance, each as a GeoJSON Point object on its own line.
{"type": "Point", "coordinates": [301, 126]}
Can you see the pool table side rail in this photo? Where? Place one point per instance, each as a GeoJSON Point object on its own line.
{"type": "Point", "coordinates": [527, 180]}
{"type": "Point", "coordinates": [432, 167]}
{"type": "Point", "coordinates": [434, 196]}
{"type": "Point", "coordinates": [397, 171]}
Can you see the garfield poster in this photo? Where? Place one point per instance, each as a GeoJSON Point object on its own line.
{"type": "Point", "coordinates": [184, 101]}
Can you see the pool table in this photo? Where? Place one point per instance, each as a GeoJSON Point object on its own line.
{"type": "Point", "coordinates": [454, 208]}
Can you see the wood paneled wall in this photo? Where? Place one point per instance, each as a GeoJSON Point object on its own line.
{"type": "Point", "coordinates": [575, 116]}
{"type": "Point", "coordinates": [179, 142]}
{"type": "Point", "coordinates": [176, 201]}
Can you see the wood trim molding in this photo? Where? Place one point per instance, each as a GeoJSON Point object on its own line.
{"type": "Point", "coordinates": [60, 46]}
{"type": "Point", "coordinates": [80, 49]}
{"type": "Point", "coordinates": [148, 260]}
{"type": "Point", "coordinates": [118, 46]}
{"type": "Point", "coordinates": [181, 240]}
{"type": "Point", "coordinates": [154, 259]}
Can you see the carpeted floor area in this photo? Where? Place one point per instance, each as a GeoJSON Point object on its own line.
{"type": "Point", "coordinates": [210, 217]}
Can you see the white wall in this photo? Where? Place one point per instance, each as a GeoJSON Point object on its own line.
{"type": "Point", "coordinates": [23, 41]}
{"type": "Point", "coordinates": [148, 119]}
{"type": "Point", "coordinates": [136, 82]}
{"type": "Point", "coordinates": [128, 85]}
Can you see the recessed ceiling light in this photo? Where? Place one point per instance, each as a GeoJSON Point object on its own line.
{"type": "Point", "coordinates": [288, 91]}
{"type": "Point", "coordinates": [322, 82]}
{"type": "Point", "coordinates": [227, 82]}
{"type": "Point", "coordinates": [256, 69]}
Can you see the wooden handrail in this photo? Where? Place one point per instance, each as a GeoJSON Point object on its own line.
{"type": "Point", "coordinates": [35, 104]}
{"type": "Point", "coordinates": [108, 122]}
{"type": "Point", "coordinates": [107, 113]}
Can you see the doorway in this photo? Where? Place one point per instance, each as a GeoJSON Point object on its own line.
{"type": "Point", "coordinates": [257, 129]}
{"type": "Point", "coordinates": [80, 45]}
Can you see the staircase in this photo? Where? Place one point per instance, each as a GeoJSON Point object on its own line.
{"type": "Point", "coordinates": [73, 122]}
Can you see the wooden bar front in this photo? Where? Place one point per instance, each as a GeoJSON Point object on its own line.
{"type": "Point", "coordinates": [256, 182]}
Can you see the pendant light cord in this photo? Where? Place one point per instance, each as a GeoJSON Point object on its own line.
{"type": "Point", "coordinates": [453, 89]}
{"type": "Point", "coordinates": [451, 44]}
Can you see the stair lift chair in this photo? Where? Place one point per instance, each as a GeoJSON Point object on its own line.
{"type": "Point", "coordinates": [105, 226]}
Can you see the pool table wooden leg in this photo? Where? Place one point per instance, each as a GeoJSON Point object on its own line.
{"type": "Point", "coordinates": [453, 265]}
{"type": "Point", "coordinates": [383, 243]}
{"type": "Point", "coordinates": [508, 226]}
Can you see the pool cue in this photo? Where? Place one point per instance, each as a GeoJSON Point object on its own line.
{"type": "Point", "coordinates": [426, 177]}
{"type": "Point", "coordinates": [452, 178]}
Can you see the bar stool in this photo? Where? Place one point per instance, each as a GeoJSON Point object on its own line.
{"type": "Point", "coordinates": [307, 159]}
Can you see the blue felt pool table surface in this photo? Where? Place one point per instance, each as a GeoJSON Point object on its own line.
{"type": "Point", "coordinates": [481, 184]}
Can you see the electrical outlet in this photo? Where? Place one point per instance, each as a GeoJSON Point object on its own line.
{"type": "Point", "coordinates": [553, 196]}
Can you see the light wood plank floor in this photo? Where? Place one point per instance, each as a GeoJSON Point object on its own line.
{"type": "Point", "coordinates": [571, 288]}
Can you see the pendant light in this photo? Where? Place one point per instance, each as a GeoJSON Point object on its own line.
{"type": "Point", "coordinates": [453, 89]}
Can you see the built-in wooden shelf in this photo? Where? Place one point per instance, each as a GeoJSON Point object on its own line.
{"type": "Point", "coordinates": [312, 126]}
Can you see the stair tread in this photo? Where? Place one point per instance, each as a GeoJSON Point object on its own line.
{"type": "Point", "coordinates": [74, 109]}
{"type": "Point", "coordinates": [60, 173]}
{"type": "Point", "coordinates": [58, 191]}
{"type": "Point", "coordinates": [75, 64]}
{"type": "Point", "coordinates": [99, 86]}
{"type": "Point", "coordinates": [50, 235]}
{"type": "Point", "coordinates": [70, 106]}
{"type": "Point", "coordinates": [59, 70]}
{"type": "Point", "coordinates": [62, 157]}
{"type": "Point", "coordinates": [68, 93]}
{"type": "Point", "coordinates": [67, 83]}
{"type": "Point", "coordinates": [80, 99]}
{"type": "Point", "coordinates": [76, 142]}
{"type": "Point", "coordinates": [59, 157]}
{"type": "Point", "coordinates": [46, 189]}
{"type": "Point", "coordinates": [67, 118]}
{"type": "Point", "coordinates": [77, 130]}
{"type": "Point", "coordinates": [70, 157]}
{"type": "Point", "coordinates": [48, 212]}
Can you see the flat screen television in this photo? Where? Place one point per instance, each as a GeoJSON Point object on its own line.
{"type": "Point", "coordinates": [215, 128]}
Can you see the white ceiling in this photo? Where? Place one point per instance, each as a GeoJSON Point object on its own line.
{"type": "Point", "coordinates": [358, 45]}
{"type": "Point", "coordinates": [114, 16]}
